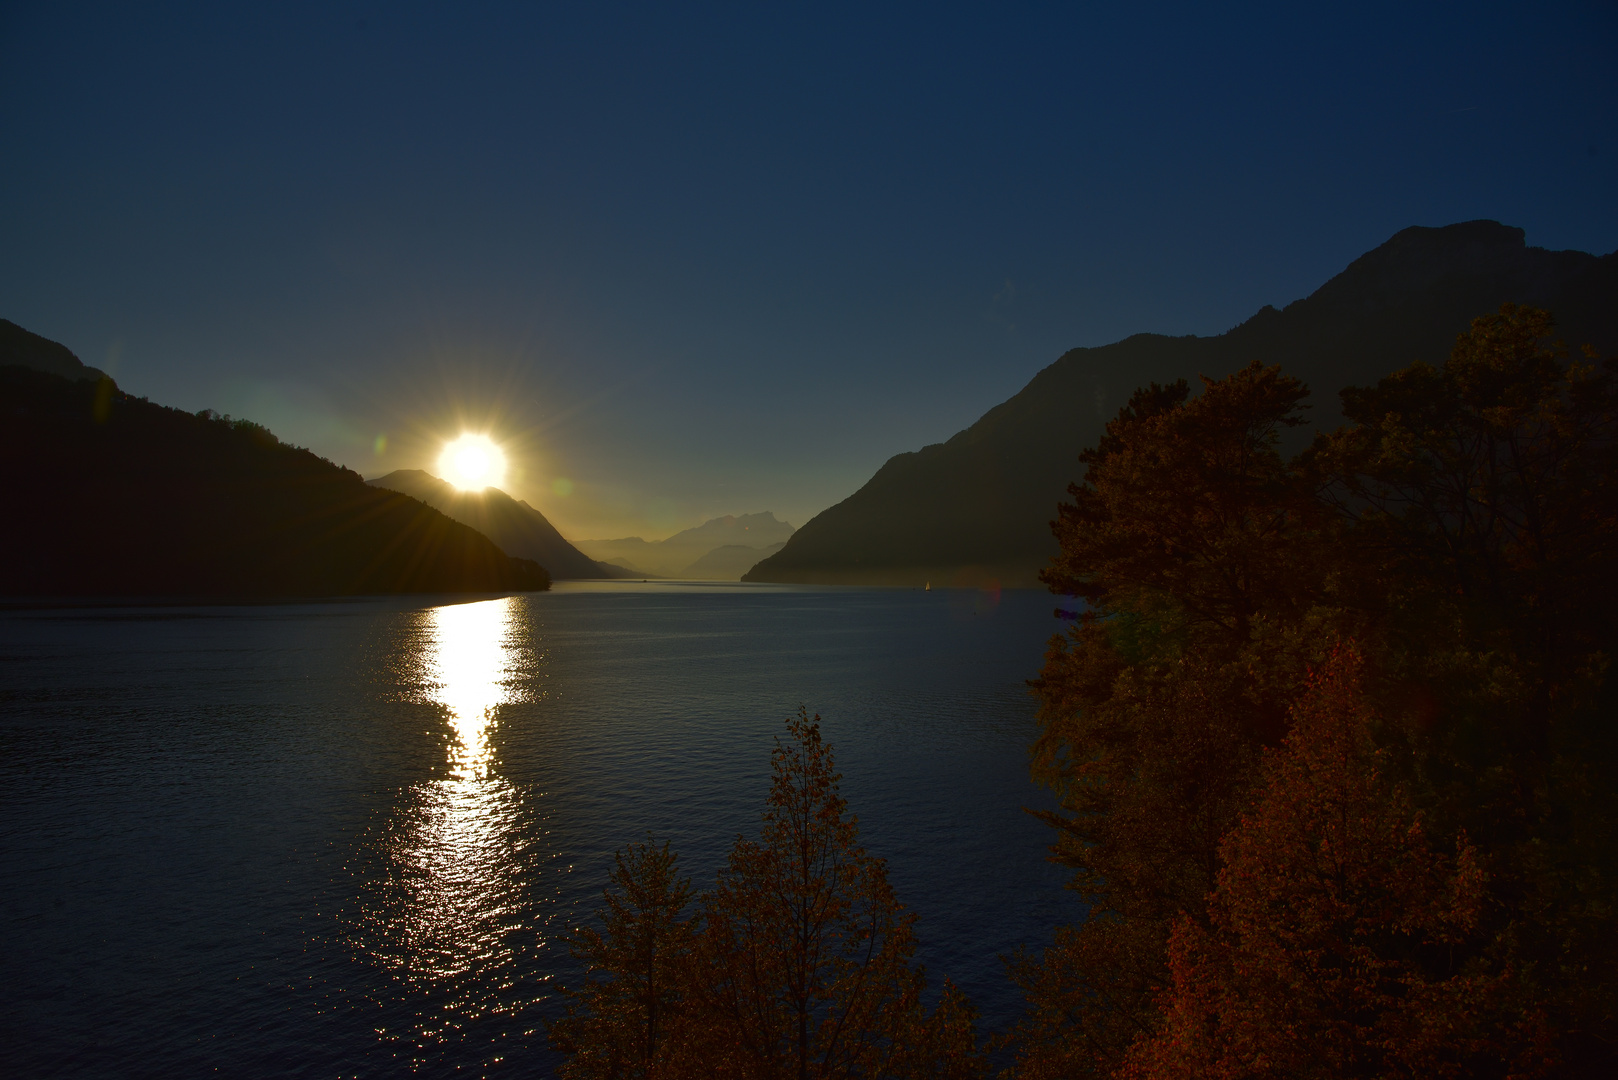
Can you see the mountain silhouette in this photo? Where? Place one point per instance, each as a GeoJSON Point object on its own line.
{"type": "Point", "coordinates": [685, 554]}
{"type": "Point", "coordinates": [515, 526]}
{"type": "Point", "coordinates": [24, 348]}
{"type": "Point", "coordinates": [728, 562]}
{"type": "Point", "coordinates": [750, 530]}
{"type": "Point", "coordinates": [977, 508]}
{"type": "Point", "coordinates": [112, 495]}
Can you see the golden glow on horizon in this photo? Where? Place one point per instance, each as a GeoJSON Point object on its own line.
{"type": "Point", "coordinates": [472, 463]}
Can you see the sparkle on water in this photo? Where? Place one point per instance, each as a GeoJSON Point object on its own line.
{"type": "Point", "coordinates": [357, 835]}
{"type": "Point", "coordinates": [450, 900]}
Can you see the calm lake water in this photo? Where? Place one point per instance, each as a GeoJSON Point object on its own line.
{"type": "Point", "coordinates": [349, 839]}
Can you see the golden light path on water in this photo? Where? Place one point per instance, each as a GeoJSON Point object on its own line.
{"type": "Point", "coordinates": [443, 916]}
{"type": "Point", "coordinates": [469, 670]}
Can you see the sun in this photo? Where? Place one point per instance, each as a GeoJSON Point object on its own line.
{"type": "Point", "coordinates": [472, 463]}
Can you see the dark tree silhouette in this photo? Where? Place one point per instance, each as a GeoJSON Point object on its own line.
{"type": "Point", "coordinates": [799, 963]}
{"type": "Point", "coordinates": [1189, 534]}
{"type": "Point", "coordinates": [618, 1021]}
{"type": "Point", "coordinates": [1463, 530]}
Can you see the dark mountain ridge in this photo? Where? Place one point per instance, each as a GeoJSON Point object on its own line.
{"type": "Point", "coordinates": [511, 523]}
{"type": "Point", "coordinates": [115, 496]}
{"type": "Point", "coordinates": [976, 508]}
{"type": "Point", "coordinates": [25, 348]}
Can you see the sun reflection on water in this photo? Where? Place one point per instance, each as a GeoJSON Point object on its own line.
{"type": "Point", "coordinates": [446, 913]}
{"type": "Point", "coordinates": [469, 671]}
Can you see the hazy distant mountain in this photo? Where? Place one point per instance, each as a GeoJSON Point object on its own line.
{"type": "Point", "coordinates": [728, 563]}
{"type": "Point", "coordinates": [632, 554]}
{"type": "Point", "coordinates": [518, 528]}
{"type": "Point", "coordinates": [750, 530]}
{"type": "Point", "coordinates": [682, 555]}
{"type": "Point", "coordinates": [25, 348]}
{"type": "Point", "coordinates": [978, 506]}
{"type": "Point", "coordinates": [111, 495]}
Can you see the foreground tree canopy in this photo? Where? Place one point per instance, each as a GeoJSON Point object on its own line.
{"type": "Point", "coordinates": [1333, 735]}
{"type": "Point", "coordinates": [798, 963]}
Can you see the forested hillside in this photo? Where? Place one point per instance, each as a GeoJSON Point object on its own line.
{"type": "Point", "coordinates": [113, 495]}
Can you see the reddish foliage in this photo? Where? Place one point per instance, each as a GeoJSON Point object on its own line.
{"type": "Point", "coordinates": [1334, 930]}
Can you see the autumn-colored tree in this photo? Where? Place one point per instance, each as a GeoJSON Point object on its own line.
{"type": "Point", "coordinates": [1189, 515]}
{"type": "Point", "coordinates": [1483, 498]}
{"type": "Point", "coordinates": [618, 1022]}
{"type": "Point", "coordinates": [1337, 931]}
{"type": "Point", "coordinates": [944, 1046]}
{"type": "Point", "coordinates": [1485, 495]}
{"type": "Point", "coordinates": [1194, 544]}
{"type": "Point", "coordinates": [1463, 528]}
{"type": "Point", "coordinates": [1492, 479]}
{"type": "Point", "coordinates": [806, 954]}
{"type": "Point", "coordinates": [1170, 753]}
{"type": "Point", "coordinates": [797, 964]}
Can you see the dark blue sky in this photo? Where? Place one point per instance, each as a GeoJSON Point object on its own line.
{"type": "Point", "coordinates": [719, 259]}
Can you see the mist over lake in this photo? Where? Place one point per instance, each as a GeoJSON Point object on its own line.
{"type": "Point", "coordinates": [348, 838]}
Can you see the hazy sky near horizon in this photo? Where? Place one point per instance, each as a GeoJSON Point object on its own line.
{"type": "Point", "coordinates": [708, 259]}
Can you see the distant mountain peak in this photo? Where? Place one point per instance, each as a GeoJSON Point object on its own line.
{"type": "Point", "coordinates": [516, 527]}
{"type": "Point", "coordinates": [721, 548]}
{"type": "Point", "coordinates": [1419, 259]}
{"type": "Point", "coordinates": [415, 476]}
{"type": "Point", "coordinates": [752, 526]}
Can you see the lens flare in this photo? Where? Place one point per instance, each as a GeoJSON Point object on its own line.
{"type": "Point", "coordinates": [472, 463]}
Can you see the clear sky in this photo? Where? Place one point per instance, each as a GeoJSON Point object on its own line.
{"type": "Point", "coordinates": [707, 259]}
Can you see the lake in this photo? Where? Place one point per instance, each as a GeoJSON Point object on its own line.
{"type": "Point", "coordinates": [350, 838]}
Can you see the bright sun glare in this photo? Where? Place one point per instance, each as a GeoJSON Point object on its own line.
{"type": "Point", "coordinates": [472, 462]}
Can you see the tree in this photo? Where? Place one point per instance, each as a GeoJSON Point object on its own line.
{"type": "Point", "coordinates": [1463, 529]}
{"type": "Point", "coordinates": [1483, 499]}
{"type": "Point", "coordinates": [1336, 938]}
{"type": "Point", "coordinates": [1488, 492]}
{"type": "Point", "coordinates": [1188, 512]}
{"type": "Point", "coordinates": [1194, 544]}
{"type": "Point", "coordinates": [805, 953]}
{"type": "Point", "coordinates": [797, 964]}
{"type": "Point", "coordinates": [618, 1022]}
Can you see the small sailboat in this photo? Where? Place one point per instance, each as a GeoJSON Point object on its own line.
{"type": "Point", "coordinates": [928, 587]}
